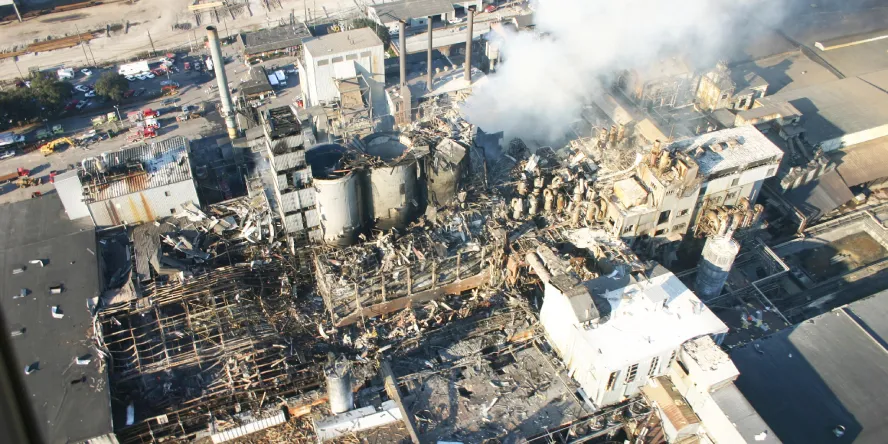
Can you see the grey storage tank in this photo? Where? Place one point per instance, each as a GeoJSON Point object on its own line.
{"type": "Point", "coordinates": [337, 192]}
{"type": "Point", "coordinates": [444, 169]}
{"type": "Point", "coordinates": [715, 264]}
{"type": "Point", "coordinates": [393, 192]}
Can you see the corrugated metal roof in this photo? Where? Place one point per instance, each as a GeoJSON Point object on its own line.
{"type": "Point", "coordinates": [821, 196]}
{"type": "Point", "coordinates": [863, 162]}
{"type": "Point", "coordinates": [136, 169]}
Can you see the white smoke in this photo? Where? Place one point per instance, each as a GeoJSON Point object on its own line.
{"type": "Point", "coordinates": [543, 82]}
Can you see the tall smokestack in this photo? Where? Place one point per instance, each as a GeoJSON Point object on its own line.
{"type": "Point", "coordinates": [429, 77]}
{"type": "Point", "coordinates": [469, 44]}
{"type": "Point", "coordinates": [222, 81]}
{"type": "Point", "coordinates": [402, 40]}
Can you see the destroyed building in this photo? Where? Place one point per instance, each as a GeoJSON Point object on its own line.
{"type": "Point", "coordinates": [133, 185]}
{"type": "Point", "coordinates": [667, 83]}
{"type": "Point", "coordinates": [719, 89]}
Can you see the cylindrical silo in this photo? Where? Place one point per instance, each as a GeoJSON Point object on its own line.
{"type": "Point", "coordinates": [715, 264]}
{"type": "Point", "coordinates": [339, 386]}
{"type": "Point", "coordinates": [444, 169]}
{"type": "Point", "coordinates": [393, 191]}
{"type": "Point", "coordinates": [337, 192]}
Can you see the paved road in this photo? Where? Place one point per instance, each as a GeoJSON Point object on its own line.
{"type": "Point", "coordinates": [156, 17]}
{"type": "Point", "coordinates": [194, 91]}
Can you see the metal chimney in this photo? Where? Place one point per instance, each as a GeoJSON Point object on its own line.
{"type": "Point", "coordinates": [468, 67]}
{"type": "Point", "coordinates": [429, 77]}
{"type": "Point", "coordinates": [402, 40]}
{"type": "Point", "coordinates": [222, 81]}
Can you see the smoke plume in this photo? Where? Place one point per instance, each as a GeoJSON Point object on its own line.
{"type": "Point", "coordinates": [580, 45]}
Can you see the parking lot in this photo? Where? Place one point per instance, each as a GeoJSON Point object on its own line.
{"type": "Point", "coordinates": [196, 88]}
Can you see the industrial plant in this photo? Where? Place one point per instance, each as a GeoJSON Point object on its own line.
{"type": "Point", "coordinates": [436, 222]}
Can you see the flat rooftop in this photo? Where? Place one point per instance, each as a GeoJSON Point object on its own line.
{"type": "Point", "coordinates": [273, 39]}
{"type": "Point", "coordinates": [731, 148]}
{"type": "Point", "coordinates": [838, 108]}
{"type": "Point", "coordinates": [70, 402]}
{"type": "Point", "coordinates": [408, 9]}
{"type": "Point", "coordinates": [828, 371]}
{"type": "Point", "coordinates": [338, 42]}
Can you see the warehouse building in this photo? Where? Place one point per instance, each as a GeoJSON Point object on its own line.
{"type": "Point", "coordinates": [138, 184]}
{"type": "Point", "coordinates": [343, 55]}
{"type": "Point", "coordinates": [267, 44]}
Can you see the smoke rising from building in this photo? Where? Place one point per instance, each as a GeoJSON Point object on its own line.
{"type": "Point", "coordinates": [581, 45]}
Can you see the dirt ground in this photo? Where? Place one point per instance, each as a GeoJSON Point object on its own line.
{"type": "Point", "coordinates": [846, 254]}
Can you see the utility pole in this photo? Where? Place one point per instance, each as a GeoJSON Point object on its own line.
{"type": "Point", "coordinates": [82, 46]}
{"type": "Point", "coordinates": [153, 51]}
{"type": "Point", "coordinates": [15, 60]}
{"type": "Point", "coordinates": [17, 11]}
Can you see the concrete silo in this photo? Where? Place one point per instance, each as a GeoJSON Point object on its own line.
{"type": "Point", "coordinates": [715, 264]}
{"type": "Point", "coordinates": [338, 194]}
{"type": "Point", "coordinates": [444, 169]}
{"type": "Point", "coordinates": [393, 195]}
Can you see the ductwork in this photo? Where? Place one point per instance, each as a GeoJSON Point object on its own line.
{"type": "Point", "coordinates": [222, 81]}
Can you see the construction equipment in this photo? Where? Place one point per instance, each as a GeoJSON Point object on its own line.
{"type": "Point", "coordinates": [13, 176]}
{"type": "Point", "coordinates": [49, 148]}
{"type": "Point", "coordinates": [169, 90]}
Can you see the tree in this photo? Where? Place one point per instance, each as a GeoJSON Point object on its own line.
{"type": "Point", "coordinates": [112, 86]}
{"type": "Point", "coordinates": [381, 31]}
{"type": "Point", "coordinates": [50, 92]}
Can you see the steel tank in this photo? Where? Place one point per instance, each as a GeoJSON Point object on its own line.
{"type": "Point", "coordinates": [338, 194]}
{"type": "Point", "coordinates": [393, 195]}
{"type": "Point", "coordinates": [444, 170]}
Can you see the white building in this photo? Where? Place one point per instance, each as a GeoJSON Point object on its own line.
{"type": "Point", "coordinates": [616, 332]}
{"type": "Point", "coordinates": [137, 184]}
{"type": "Point", "coordinates": [412, 12]}
{"type": "Point", "coordinates": [338, 56]}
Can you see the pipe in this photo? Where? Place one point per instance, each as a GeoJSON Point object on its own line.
{"type": "Point", "coordinates": [402, 41]}
{"type": "Point", "coordinates": [468, 67]}
{"type": "Point", "coordinates": [429, 61]}
{"type": "Point", "coordinates": [222, 81]}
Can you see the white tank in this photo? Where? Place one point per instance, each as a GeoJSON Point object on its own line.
{"type": "Point", "coordinates": [337, 193]}
{"type": "Point", "coordinates": [393, 196]}
{"type": "Point", "coordinates": [715, 264]}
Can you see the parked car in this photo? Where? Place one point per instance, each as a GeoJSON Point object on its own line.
{"type": "Point", "coordinates": [454, 20]}
{"type": "Point", "coordinates": [7, 154]}
{"type": "Point", "coordinates": [169, 101]}
{"type": "Point", "coordinates": [187, 66]}
{"type": "Point", "coordinates": [90, 93]}
{"type": "Point", "coordinates": [129, 94]}
{"type": "Point", "coordinates": [83, 104]}
{"type": "Point", "coordinates": [490, 8]}
{"type": "Point", "coordinates": [72, 104]}
{"type": "Point", "coordinates": [82, 88]}
{"type": "Point", "coordinates": [197, 66]}
{"type": "Point", "coordinates": [139, 92]}
{"type": "Point", "coordinates": [150, 75]}
{"type": "Point", "coordinates": [169, 82]}
{"type": "Point", "coordinates": [130, 78]}
{"type": "Point", "coordinates": [86, 72]}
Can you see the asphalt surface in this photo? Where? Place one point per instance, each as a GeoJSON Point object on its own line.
{"type": "Point", "coordinates": [193, 91]}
